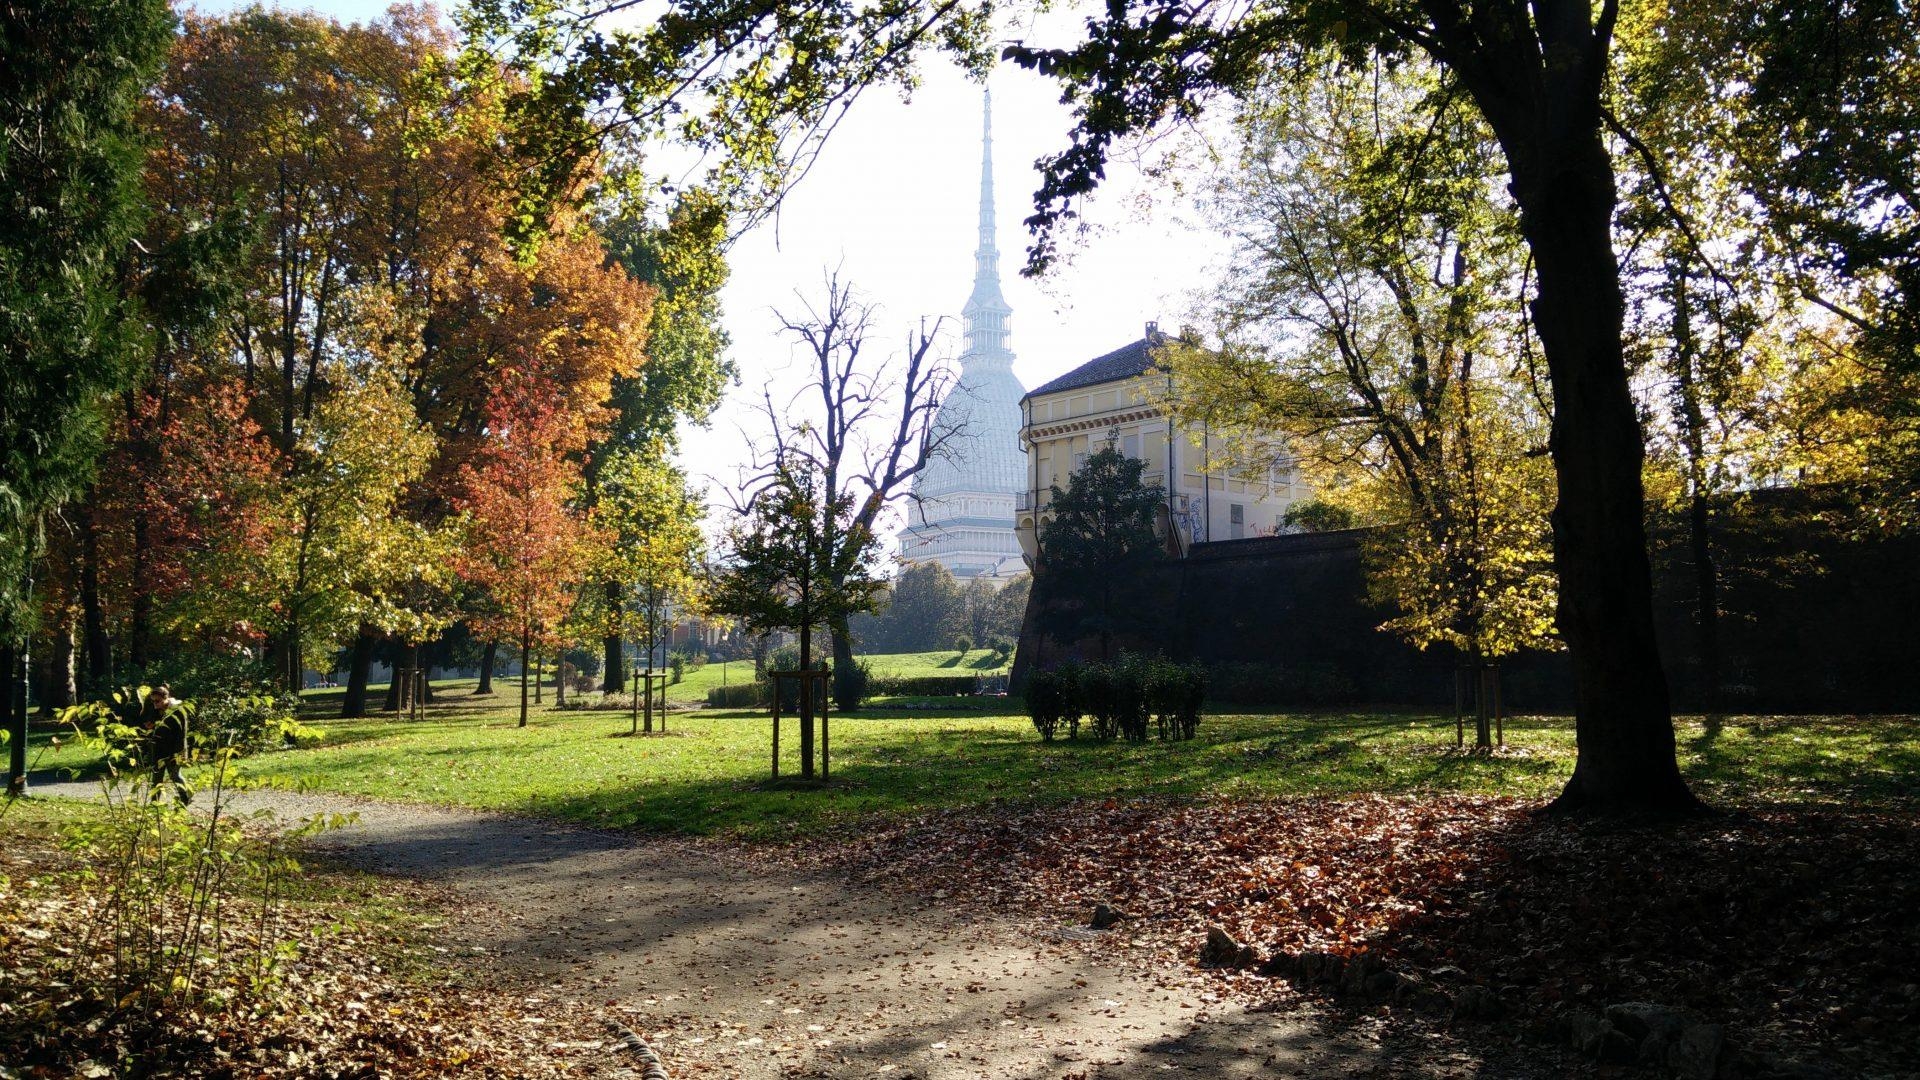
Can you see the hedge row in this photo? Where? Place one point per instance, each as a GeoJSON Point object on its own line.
{"type": "Point", "coordinates": [923, 685]}
{"type": "Point", "coordinates": [848, 693]}
{"type": "Point", "coordinates": [1123, 698]}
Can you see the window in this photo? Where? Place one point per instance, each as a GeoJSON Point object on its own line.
{"type": "Point", "coordinates": [1236, 521]}
{"type": "Point", "coordinates": [1130, 446]}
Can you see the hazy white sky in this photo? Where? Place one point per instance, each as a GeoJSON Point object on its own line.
{"type": "Point", "coordinates": [893, 204]}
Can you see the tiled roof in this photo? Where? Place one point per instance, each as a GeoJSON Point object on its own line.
{"type": "Point", "coordinates": [1122, 363]}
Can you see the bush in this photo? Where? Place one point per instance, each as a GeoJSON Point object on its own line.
{"type": "Point", "coordinates": [1176, 693]}
{"type": "Point", "coordinates": [224, 723]}
{"type": "Point", "coordinates": [964, 645]}
{"type": "Point", "coordinates": [1049, 699]}
{"type": "Point", "coordinates": [677, 668]}
{"type": "Point", "coordinates": [923, 685]}
{"type": "Point", "coordinates": [1125, 698]}
{"type": "Point", "coordinates": [850, 685]}
{"type": "Point", "coordinates": [739, 695]}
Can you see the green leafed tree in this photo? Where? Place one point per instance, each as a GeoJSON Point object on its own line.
{"type": "Point", "coordinates": [923, 612]}
{"type": "Point", "coordinates": [1097, 547]}
{"type": "Point", "coordinates": [73, 74]}
{"type": "Point", "coordinates": [1537, 74]}
{"type": "Point", "coordinates": [1370, 320]}
{"type": "Point", "coordinates": [790, 565]}
{"type": "Point", "coordinates": [646, 538]}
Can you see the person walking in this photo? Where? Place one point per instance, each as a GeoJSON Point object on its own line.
{"type": "Point", "coordinates": [165, 722]}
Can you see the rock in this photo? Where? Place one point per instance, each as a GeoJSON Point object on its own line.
{"type": "Point", "coordinates": [1353, 977]}
{"type": "Point", "coordinates": [1220, 950]}
{"type": "Point", "coordinates": [1281, 966]}
{"type": "Point", "coordinates": [1247, 957]}
{"type": "Point", "coordinates": [1641, 1021]}
{"type": "Point", "coordinates": [1415, 991]}
{"type": "Point", "coordinates": [1585, 1030]}
{"type": "Point", "coordinates": [1695, 1052]}
{"type": "Point", "coordinates": [1475, 1003]}
{"type": "Point", "coordinates": [1105, 916]}
{"type": "Point", "coordinates": [1317, 967]}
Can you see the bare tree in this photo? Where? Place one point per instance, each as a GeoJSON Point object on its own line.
{"type": "Point", "coordinates": [867, 428]}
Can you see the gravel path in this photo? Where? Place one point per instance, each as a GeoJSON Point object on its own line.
{"type": "Point", "coordinates": [737, 971]}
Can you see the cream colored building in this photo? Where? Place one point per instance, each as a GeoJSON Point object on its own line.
{"type": "Point", "coordinates": [1112, 398]}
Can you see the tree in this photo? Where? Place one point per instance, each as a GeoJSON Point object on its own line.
{"type": "Point", "coordinates": [684, 260]}
{"type": "Point", "coordinates": [790, 566]}
{"type": "Point", "coordinates": [337, 546]}
{"type": "Point", "coordinates": [523, 541]}
{"type": "Point", "coordinates": [1370, 323]}
{"type": "Point", "coordinates": [922, 613]}
{"type": "Point", "coordinates": [1097, 547]}
{"type": "Point", "coordinates": [1537, 74]}
{"type": "Point", "coordinates": [864, 434]}
{"type": "Point", "coordinates": [646, 523]}
{"type": "Point", "coordinates": [73, 74]}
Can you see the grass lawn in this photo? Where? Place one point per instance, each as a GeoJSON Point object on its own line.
{"type": "Point", "coordinates": [709, 775]}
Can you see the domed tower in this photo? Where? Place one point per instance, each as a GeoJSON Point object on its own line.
{"type": "Point", "coordinates": [961, 515]}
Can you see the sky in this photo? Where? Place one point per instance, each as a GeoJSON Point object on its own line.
{"type": "Point", "coordinates": [892, 205]}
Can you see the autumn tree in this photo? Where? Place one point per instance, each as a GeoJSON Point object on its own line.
{"type": "Point", "coordinates": [684, 261]}
{"type": "Point", "coordinates": [1370, 322]}
{"type": "Point", "coordinates": [523, 541]}
{"type": "Point", "coordinates": [72, 76]}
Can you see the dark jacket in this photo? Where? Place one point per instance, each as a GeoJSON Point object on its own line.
{"type": "Point", "coordinates": [166, 732]}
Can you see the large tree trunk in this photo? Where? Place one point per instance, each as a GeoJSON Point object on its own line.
{"type": "Point", "coordinates": [805, 689]}
{"type": "Point", "coordinates": [613, 677]}
{"type": "Point", "coordinates": [1563, 182]}
{"type": "Point", "coordinates": [526, 662]}
{"type": "Point", "coordinates": [396, 657]}
{"type": "Point", "coordinates": [489, 654]}
{"type": "Point", "coordinates": [359, 670]}
{"type": "Point", "coordinates": [95, 649]}
{"type": "Point", "coordinates": [140, 608]}
{"type": "Point", "coordinates": [60, 690]}
{"type": "Point", "coordinates": [13, 716]}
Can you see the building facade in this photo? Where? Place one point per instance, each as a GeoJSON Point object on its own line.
{"type": "Point", "coordinates": [961, 515]}
{"type": "Point", "coordinates": [1111, 398]}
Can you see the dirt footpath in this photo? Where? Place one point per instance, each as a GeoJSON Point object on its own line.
{"type": "Point", "coordinates": [737, 971]}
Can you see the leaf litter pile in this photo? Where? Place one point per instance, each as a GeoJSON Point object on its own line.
{"type": "Point", "coordinates": [1796, 928]}
{"type": "Point", "coordinates": [356, 993]}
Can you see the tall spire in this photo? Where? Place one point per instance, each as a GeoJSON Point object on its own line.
{"type": "Point", "coordinates": [987, 314]}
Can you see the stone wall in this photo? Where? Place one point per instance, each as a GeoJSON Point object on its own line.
{"type": "Point", "coordinates": [1816, 620]}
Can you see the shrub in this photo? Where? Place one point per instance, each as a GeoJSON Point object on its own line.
{"type": "Point", "coordinates": [923, 685]}
{"type": "Point", "coordinates": [850, 685]}
{"type": "Point", "coordinates": [1132, 709]}
{"type": "Point", "coordinates": [1099, 700]}
{"type": "Point", "coordinates": [1176, 693]}
{"type": "Point", "coordinates": [677, 668]}
{"type": "Point", "coordinates": [1047, 696]}
{"type": "Point", "coordinates": [1125, 698]}
{"type": "Point", "coordinates": [1002, 650]}
{"type": "Point", "coordinates": [964, 645]}
{"type": "Point", "coordinates": [739, 695]}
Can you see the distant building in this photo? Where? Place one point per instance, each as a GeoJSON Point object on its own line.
{"type": "Point", "coordinates": [961, 515]}
{"type": "Point", "coordinates": [1111, 397]}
